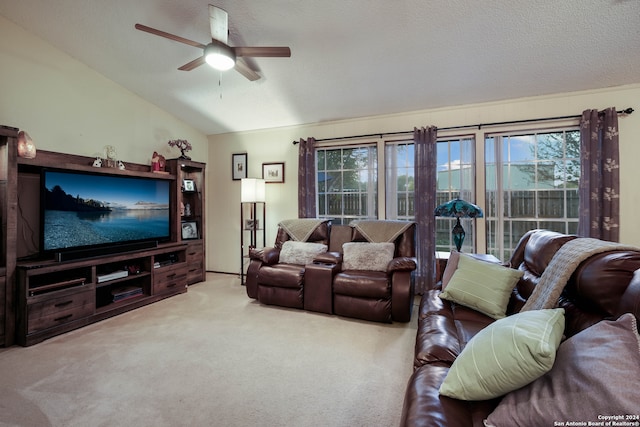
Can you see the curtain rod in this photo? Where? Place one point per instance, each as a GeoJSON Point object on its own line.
{"type": "Point", "coordinates": [626, 111]}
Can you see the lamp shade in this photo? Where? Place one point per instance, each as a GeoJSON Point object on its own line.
{"type": "Point", "coordinates": [458, 208]}
{"type": "Point", "coordinates": [252, 190]}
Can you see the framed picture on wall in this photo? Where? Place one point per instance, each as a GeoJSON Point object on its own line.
{"type": "Point", "coordinates": [273, 173]}
{"type": "Point", "coordinates": [238, 166]}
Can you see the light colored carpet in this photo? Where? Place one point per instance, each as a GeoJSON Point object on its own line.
{"type": "Point", "coordinates": [211, 357]}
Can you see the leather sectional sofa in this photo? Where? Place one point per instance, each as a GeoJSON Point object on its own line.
{"type": "Point", "coordinates": [363, 270]}
{"type": "Point", "coordinates": [600, 290]}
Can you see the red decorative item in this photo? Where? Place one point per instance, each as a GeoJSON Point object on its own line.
{"type": "Point", "coordinates": [158, 162]}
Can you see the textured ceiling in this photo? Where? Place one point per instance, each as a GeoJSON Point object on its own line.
{"type": "Point", "coordinates": [349, 58]}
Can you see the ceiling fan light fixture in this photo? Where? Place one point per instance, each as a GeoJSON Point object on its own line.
{"type": "Point", "coordinates": [219, 57]}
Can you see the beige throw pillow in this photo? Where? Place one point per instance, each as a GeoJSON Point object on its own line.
{"type": "Point", "coordinates": [367, 256]}
{"type": "Point", "coordinates": [301, 253]}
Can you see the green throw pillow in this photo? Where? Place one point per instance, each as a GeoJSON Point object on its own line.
{"type": "Point", "coordinates": [481, 285]}
{"type": "Point", "coordinates": [506, 355]}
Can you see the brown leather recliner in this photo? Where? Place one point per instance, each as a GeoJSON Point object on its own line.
{"type": "Point", "coordinates": [380, 296]}
{"type": "Point", "coordinates": [273, 282]}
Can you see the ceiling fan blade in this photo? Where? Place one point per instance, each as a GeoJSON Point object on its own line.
{"type": "Point", "coordinates": [193, 64]}
{"type": "Point", "coordinates": [169, 36]}
{"type": "Point", "coordinates": [243, 68]}
{"type": "Point", "coordinates": [273, 51]}
{"type": "Point", "coordinates": [219, 23]}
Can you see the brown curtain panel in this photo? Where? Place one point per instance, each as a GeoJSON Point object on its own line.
{"type": "Point", "coordinates": [425, 140]}
{"type": "Point", "coordinates": [307, 178]}
{"type": "Point", "coordinates": [599, 188]}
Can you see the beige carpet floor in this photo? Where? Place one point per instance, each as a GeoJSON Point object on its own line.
{"type": "Point", "coordinates": [211, 357]}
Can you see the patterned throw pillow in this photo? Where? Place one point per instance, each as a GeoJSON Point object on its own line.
{"type": "Point", "coordinates": [301, 253]}
{"type": "Point", "coordinates": [367, 256]}
{"type": "Point", "coordinates": [506, 355]}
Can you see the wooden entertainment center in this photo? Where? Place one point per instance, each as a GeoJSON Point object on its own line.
{"type": "Point", "coordinates": [44, 297]}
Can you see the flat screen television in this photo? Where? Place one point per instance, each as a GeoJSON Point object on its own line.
{"type": "Point", "coordinates": [82, 210]}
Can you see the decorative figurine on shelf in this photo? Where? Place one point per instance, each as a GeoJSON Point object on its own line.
{"type": "Point", "coordinates": [97, 163]}
{"type": "Point", "coordinates": [26, 147]}
{"type": "Point", "coordinates": [110, 156]}
{"type": "Point", "coordinates": [187, 209]}
{"type": "Point", "coordinates": [121, 165]}
{"type": "Point", "coordinates": [183, 145]}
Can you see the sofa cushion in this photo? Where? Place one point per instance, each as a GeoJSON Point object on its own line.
{"type": "Point", "coordinates": [363, 284]}
{"type": "Point", "coordinates": [281, 275]}
{"type": "Point", "coordinates": [481, 285]}
{"type": "Point", "coordinates": [425, 407]}
{"type": "Point", "coordinates": [300, 253]}
{"type": "Point", "coordinates": [595, 374]}
{"type": "Point", "coordinates": [540, 249]}
{"type": "Point", "coordinates": [367, 256]}
{"type": "Point", "coordinates": [506, 355]}
{"type": "Point", "coordinates": [452, 266]}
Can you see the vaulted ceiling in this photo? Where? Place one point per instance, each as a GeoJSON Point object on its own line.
{"type": "Point", "coordinates": [350, 58]}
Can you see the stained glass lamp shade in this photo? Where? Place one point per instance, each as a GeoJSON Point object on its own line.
{"type": "Point", "coordinates": [458, 208]}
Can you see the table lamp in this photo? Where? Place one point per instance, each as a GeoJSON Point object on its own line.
{"type": "Point", "coordinates": [458, 208]}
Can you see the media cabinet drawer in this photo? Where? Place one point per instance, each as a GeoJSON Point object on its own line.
{"type": "Point", "coordinates": [194, 273]}
{"type": "Point", "coordinates": [194, 251]}
{"type": "Point", "coordinates": [55, 311]}
{"type": "Point", "coordinates": [172, 280]}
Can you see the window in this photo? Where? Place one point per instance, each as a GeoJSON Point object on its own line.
{"type": "Point", "coordinates": [531, 182]}
{"type": "Point", "coordinates": [399, 180]}
{"type": "Point", "coordinates": [456, 175]}
{"type": "Point", "coordinates": [347, 183]}
{"type": "Point", "coordinates": [456, 178]}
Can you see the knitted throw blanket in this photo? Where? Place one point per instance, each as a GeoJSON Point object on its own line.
{"type": "Point", "coordinates": [562, 265]}
{"type": "Point", "coordinates": [300, 229]}
{"type": "Point", "coordinates": [381, 231]}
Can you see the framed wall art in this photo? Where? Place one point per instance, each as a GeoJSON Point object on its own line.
{"type": "Point", "coordinates": [238, 166]}
{"type": "Point", "coordinates": [273, 172]}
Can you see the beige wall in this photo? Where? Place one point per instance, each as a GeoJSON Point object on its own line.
{"type": "Point", "coordinates": [223, 246]}
{"type": "Point", "coordinates": [67, 107]}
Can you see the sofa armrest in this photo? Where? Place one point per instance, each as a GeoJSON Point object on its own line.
{"type": "Point", "coordinates": [401, 264]}
{"type": "Point", "coordinates": [328, 258]}
{"type": "Point", "coordinates": [268, 256]}
{"type": "Point", "coordinates": [402, 292]}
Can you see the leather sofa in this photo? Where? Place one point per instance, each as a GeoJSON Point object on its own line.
{"type": "Point", "coordinates": [602, 287]}
{"type": "Point", "coordinates": [325, 285]}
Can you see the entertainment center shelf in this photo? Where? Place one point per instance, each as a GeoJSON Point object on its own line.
{"type": "Point", "coordinates": [56, 297]}
{"type": "Point", "coordinates": [46, 291]}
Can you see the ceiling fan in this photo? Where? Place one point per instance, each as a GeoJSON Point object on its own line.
{"type": "Point", "coordinates": [218, 53]}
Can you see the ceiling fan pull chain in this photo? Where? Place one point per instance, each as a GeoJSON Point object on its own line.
{"type": "Point", "coordinates": [220, 83]}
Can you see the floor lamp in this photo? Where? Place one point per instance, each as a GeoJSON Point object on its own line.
{"type": "Point", "coordinates": [252, 192]}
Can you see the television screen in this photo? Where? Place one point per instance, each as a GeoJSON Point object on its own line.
{"type": "Point", "coordinates": [82, 210]}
